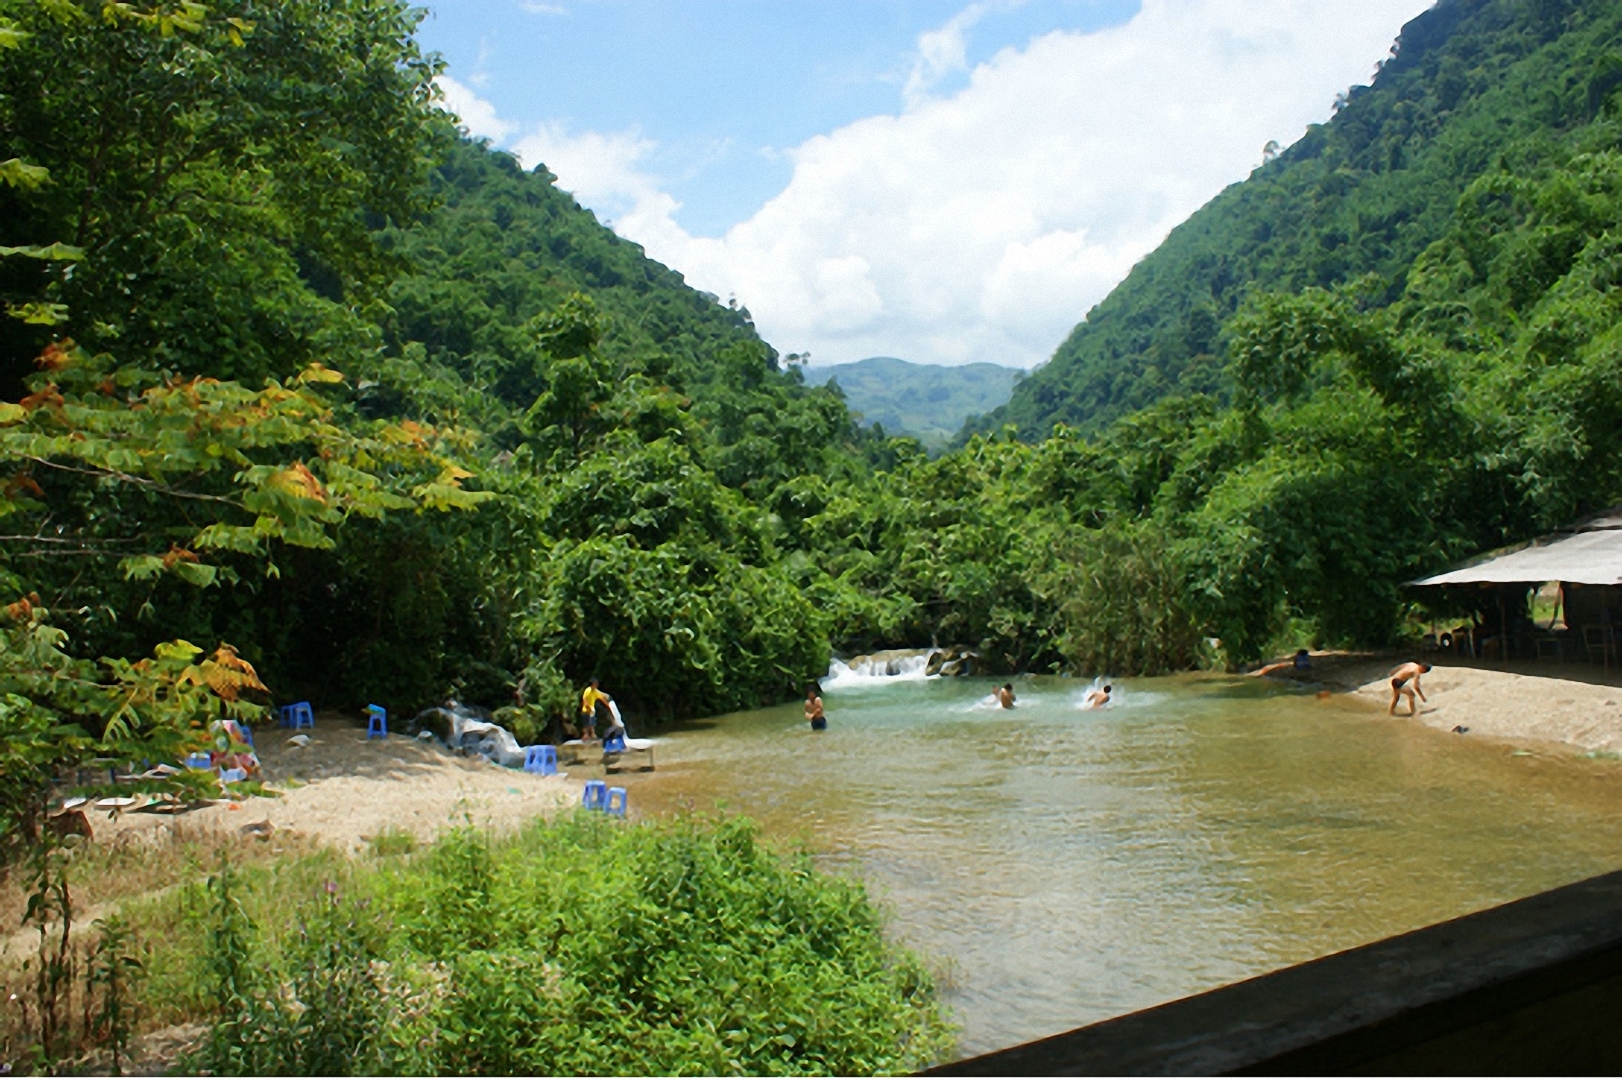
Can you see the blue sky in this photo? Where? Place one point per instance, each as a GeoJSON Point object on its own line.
{"type": "Point", "coordinates": [946, 181]}
{"type": "Point", "coordinates": [721, 88]}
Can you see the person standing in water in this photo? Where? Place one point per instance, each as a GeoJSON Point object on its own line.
{"type": "Point", "coordinates": [588, 711]}
{"type": "Point", "coordinates": [1005, 695]}
{"type": "Point", "coordinates": [1405, 683]}
{"type": "Point", "coordinates": [813, 707]}
{"type": "Point", "coordinates": [1096, 698]}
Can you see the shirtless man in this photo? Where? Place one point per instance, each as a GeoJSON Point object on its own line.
{"type": "Point", "coordinates": [1405, 683]}
{"type": "Point", "coordinates": [1005, 695]}
{"type": "Point", "coordinates": [813, 707]}
{"type": "Point", "coordinates": [1096, 698]}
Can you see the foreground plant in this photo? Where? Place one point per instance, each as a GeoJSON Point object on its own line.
{"type": "Point", "coordinates": [582, 946]}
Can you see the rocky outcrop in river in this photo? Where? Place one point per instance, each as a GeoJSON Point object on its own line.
{"type": "Point", "coordinates": [952, 660]}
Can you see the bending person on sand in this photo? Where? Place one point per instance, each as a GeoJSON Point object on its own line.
{"type": "Point", "coordinates": [1097, 698]}
{"type": "Point", "coordinates": [1005, 695]}
{"type": "Point", "coordinates": [813, 707]}
{"type": "Point", "coordinates": [1405, 683]}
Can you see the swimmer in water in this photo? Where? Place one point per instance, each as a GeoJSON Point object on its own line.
{"type": "Point", "coordinates": [1096, 698]}
{"type": "Point", "coordinates": [1005, 695]}
{"type": "Point", "coordinates": [813, 707]}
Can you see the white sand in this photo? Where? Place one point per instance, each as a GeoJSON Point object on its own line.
{"type": "Point", "coordinates": [1515, 705]}
{"type": "Point", "coordinates": [344, 789]}
{"type": "Point", "coordinates": [1575, 705]}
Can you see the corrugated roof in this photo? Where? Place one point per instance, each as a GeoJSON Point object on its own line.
{"type": "Point", "coordinates": [1589, 554]}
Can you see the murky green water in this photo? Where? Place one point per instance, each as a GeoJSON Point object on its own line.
{"type": "Point", "coordinates": [1075, 865]}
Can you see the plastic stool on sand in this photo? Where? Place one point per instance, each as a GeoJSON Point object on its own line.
{"type": "Point", "coordinates": [617, 801]}
{"type": "Point", "coordinates": [377, 722]}
{"type": "Point", "coordinates": [595, 797]}
{"type": "Point", "coordinates": [298, 715]}
{"type": "Point", "coordinates": [541, 759]}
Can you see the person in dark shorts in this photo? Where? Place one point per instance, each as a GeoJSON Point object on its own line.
{"type": "Point", "coordinates": [1405, 684]}
{"type": "Point", "coordinates": [813, 707]}
{"type": "Point", "coordinates": [589, 701]}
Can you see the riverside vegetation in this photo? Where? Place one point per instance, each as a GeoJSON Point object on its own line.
{"type": "Point", "coordinates": [296, 371]}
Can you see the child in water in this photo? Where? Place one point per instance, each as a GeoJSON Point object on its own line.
{"type": "Point", "coordinates": [1096, 698]}
{"type": "Point", "coordinates": [1005, 695]}
{"type": "Point", "coordinates": [813, 707]}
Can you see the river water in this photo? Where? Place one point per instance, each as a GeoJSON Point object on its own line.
{"type": "Point", "coordinates": [1067, 865]}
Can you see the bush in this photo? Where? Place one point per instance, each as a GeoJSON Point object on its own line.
{"type": "Point", "coordinates": [582, 946]}
{"type": "Point", "coordinates": [1124, 608]}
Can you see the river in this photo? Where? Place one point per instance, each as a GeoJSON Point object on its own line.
{"type": "Point", "coordinates": [1065, 865]}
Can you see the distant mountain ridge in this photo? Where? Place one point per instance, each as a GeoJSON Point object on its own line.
{"type": "Point", "coordinates": [1357, 198]}
{"type": "Point", "coordinates": [929, 402]}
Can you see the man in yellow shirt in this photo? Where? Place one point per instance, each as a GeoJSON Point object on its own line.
{"type": "Point", "coordinates": [588, 710]}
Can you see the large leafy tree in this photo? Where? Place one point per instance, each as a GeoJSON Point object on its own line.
{"type": "Point", "coordinates": [217, 167]}
{"type": "Point", "coordinates": [190, 190]}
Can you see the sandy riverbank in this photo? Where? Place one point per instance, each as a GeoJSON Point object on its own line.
{"type": "Point", "coordinates": [343, 789]}
{"type": "Point", "coordinates": [1577, 705]}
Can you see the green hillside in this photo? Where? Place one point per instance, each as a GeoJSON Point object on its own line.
{"type": "Point", "coordinates": [1473, 84]}
{"type": "Point", "coordinates": [505, 245]}
{"type": "Point", "coordinates": [928, 402]}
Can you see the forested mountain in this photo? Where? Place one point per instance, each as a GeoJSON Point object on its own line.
{"type": "Point", "coordinates": [503, 245]}
{"type": "Point", "coordinates": [928, 402]}
{"type": "Point", "coordinates": [294, 366]}
{"type": "Point", "coordinates": [1472, 86]}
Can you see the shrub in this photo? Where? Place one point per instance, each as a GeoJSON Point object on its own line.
{"type": "Point", "coordinates": [581, 946]}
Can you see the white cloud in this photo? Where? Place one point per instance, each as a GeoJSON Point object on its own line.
{"type": "Point", "coordinates": [942, 52]}
{"type": "Point", "coordinates": [982, 225]}
{"type": "Point", "coordinates": [478, 116]}
{"type": "Point", "coordinates": [601, 171]}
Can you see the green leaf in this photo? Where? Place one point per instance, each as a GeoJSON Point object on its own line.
{"type": "Point", "coordinates": [57, 252]}
{"type": "Point", "coordinates": [195, 573]}
{"type": "Point", "coordinates": [141, 567]}
{"type": "Point", "coordinates": [39, 313]}
{"type": "Point", "coordinates": [18, 173]}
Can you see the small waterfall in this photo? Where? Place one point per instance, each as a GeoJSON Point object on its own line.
{"type": "Point", "coordinates": [878, 669]}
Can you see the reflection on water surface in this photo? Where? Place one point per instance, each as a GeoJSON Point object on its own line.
{"type": "Point", "coordinates": [1075, 865]}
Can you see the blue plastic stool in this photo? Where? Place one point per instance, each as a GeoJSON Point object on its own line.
{"type": "Point", "coordinates": [377, 722]}
{"type": "Point", "coordinates": [595, 797]}
{"type": "Point", "coordinates": [617, 801]}
{"type": "Point", "coordinates": [198, 760]}
{"type": "Point", "coordinates": [298, 715]}
{"type": "Point", "coordinates": [541, 759]}
{"type": "Point", "coordinates": [614, 744]}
